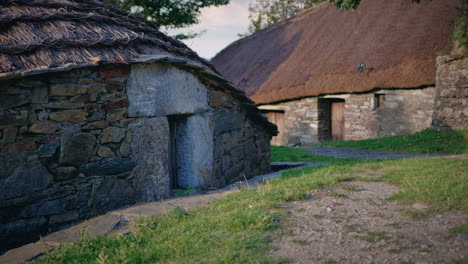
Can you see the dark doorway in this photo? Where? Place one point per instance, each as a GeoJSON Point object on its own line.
{"type": "Point", "coordinates": [276, 117]}
{"type": "Point", "coordinates": [337, 118]}
{"type": "Point", "coordinates": [176, 123]}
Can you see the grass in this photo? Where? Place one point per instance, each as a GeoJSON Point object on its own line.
{"type": "Point", "coordinates": [463, 229]}
{"type": "Point", "coordinates": [282, 153]}
{"type": "Point", "coordinates": [238, 228]}
{"type": "Point", "coordinates": [184, 192]}
{"type": "Point", "coordinates": [374, 237]}
{"type": "Point", "coordinates": [424, 142]}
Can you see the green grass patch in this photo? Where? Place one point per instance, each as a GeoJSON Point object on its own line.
{"type": "Point", "coordinates": [424, 142]}
{"type": "Point", "coordinates": [441, 183]}
{"type": "Point", "coordinates": [282, 153]}
{"type": "Point", "coordinates": [238, 228]}
{"type": "Point", "coordinates": [374, 237]}
{"type": "Point", "coordinates": [463, 229]}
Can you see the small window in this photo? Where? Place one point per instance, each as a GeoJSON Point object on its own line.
{"type": "Point", "coordinates": [379, 101]}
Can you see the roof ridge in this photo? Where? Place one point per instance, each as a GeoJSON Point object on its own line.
{"type": "Point", "coordinates": [299, 15]}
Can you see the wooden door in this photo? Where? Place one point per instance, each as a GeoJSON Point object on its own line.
{"type": "Point", "coordinates": [337, 120]}
{"type": "Point", "coordinates": [277, 118]}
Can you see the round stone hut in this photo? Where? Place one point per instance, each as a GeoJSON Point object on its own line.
{"type": "Point", "coordinates": [98, 109]}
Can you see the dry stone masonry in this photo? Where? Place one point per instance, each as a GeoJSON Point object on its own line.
{"type": "Point", "coordinates": [78, 143]}
{"type": "Point", "coordinates": [399, 111]}
{"type": "Point", "coordinates": [451, 101]}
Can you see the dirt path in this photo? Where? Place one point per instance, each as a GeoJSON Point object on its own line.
{"type": "Point", "coordinates": [362, 226]}
{"type": "Point", "coordinates": [363, 154]}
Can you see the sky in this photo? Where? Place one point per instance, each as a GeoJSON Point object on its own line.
{"type": "Point", "coordinates": [221, 26]}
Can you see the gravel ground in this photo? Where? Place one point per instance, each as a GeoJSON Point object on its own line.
{"type": "Point", "coordinates": [362, 226]}
{"type": "Point", "coordinates": [363, 154]}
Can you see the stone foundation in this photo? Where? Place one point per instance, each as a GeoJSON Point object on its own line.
{"type": "Point", "coordinates": [79, 143]}
{"type": "Point", "coordinates": [451, 101]}
{"type": "Point", "coordinates": [399, 111]}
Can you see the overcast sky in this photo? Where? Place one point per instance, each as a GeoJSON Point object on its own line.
{"type": "Point", "coordinates": [221, 25]}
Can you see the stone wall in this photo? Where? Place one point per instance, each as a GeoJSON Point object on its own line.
{"type": "Point", "coordinates": [65, 151]}
{"type": "Point", "coordinates": [301, 120]}
{"type": "Point", "coordinates": [239, 150]}
{"type": "Point", "coordinates": [401, 111]}
{"type": "Point", "coordinates": [451, 101]}
{"type": "Point", "coordinates": [76, 144]}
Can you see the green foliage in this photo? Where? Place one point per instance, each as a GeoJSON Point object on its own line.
{"type": "Point", "coordinates": [352, 4]}
{"type": "Point", "coordinates": [264, 13]}
{"type": "Point", "coordinates": [346, 4]}
{"type": "Point", "coordinates": [427, 141]}
{"type": "Point", "coordinates": [169, 14]}
{"type": "Point", "coordinates": [460, 34]}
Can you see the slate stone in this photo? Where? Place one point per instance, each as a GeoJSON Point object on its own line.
{"type": "Point", "coordinates": [67, 89]}
{"type": "Point", "coordinates": [9, 135]}
{"type": "Point", "coordinates": [226, 121]}
{"type": "Point", "coordinates": [65, 173]}
{"type": "Point", "coordinates": [115, 105]}
{"type": "Point", "coordinates": [73, 116]}
{"type": "Point", "coordinates": [40, 95]}
{"type": "Point", "coordinates": [64, 105]}
{"type": "Point", "coordinates": [116, 115]}
{"type": "Point", "coordinates": [150, 149]}
{"type": "Point", "coordinates": [109, 166]}
{"type": "Point", "coordinates": [105, 152]}
{"type": "Point", "coordinates": [96, 125]}
{"type": "Point", "coordinates": [9, 101]}
{"type": "Point", "coordinates": [113, 97]}
{"type": "Point", "coordinates": [48, 150]}
{"type": "Point", "coordinates": [12, 121]}
{"type": "Point", "coordinates": [44, 127]}
{"type": "Point", "coordinates": [24, 181]}
{"type": "Point", "coordinates": [112, 134]}
{"type": "Point", "coordinates": [66, 217]}
{"type": "Point", "coordinates": [21, 146]}
{"type": "Point", "coordinates": [45, 208]}
{"type": "Point", "coordinates": [155, 90]}
{"type": "Point", "coordinates": [112, 193]}
{"type": "Point", "coordinates": [76, 149]}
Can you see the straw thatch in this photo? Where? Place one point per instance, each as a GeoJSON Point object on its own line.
{"type": "Point", "coordinates": [318, 51]}
{"type": "Point", "coordinates": [40, 36]}
{"type": "Point", "coordinates": [52, 33]}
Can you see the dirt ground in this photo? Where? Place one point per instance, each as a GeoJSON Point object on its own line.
{"type": "Point", "coordinates": [342, 225]}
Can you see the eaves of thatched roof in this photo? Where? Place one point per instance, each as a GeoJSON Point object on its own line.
{"type": "Point", "coordinates": [40, 36]}
{"type": "Point", "coordinates": [318, 51]}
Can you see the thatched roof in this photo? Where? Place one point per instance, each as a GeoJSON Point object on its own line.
{"type": "Point", "coordinates": [39, 36]}
{"type": "Point", "coordinates": [53, 33]}
{"type": "Point", "coordinates": [318, 51]}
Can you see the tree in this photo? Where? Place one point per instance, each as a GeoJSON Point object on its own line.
{"type": "Point", "coordinates": [169, 14]}
{"type": "Point", "coordinates": [265, 13]}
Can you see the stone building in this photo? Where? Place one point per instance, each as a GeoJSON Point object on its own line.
{"type": "Point", "coordinates": [332, 75]}
{"type": "Point", "coordinates": [98, 110]}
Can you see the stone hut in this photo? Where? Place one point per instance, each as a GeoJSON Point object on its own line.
{"type": "Point", "coordinates": [99, 110]}
{"type": "Point", "coordinates": [330, 75]}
